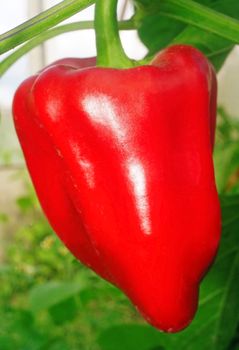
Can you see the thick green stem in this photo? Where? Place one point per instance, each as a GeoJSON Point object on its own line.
{"type": "Point", "coordinates": [12, 58]}
{"type": "Point", "coordinates": [110, 52]}
{"type": "Point", "coordinates": [41, 23]}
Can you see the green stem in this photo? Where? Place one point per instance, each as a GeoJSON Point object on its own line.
{"type": "Point", "coordinates": [202, 17]}
{"type": "Point", "coordinates": [110, 52]}
{"type": "Point", "coordinates": [12, 58]}
{"type": "Point", "coordinates": [41, 23]}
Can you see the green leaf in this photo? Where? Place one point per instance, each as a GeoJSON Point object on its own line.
{"type": "Point", "coordinates": [6, 343]}
{"type": "Point", "coordinates": [214, 47]}
{"type": "Point", "coordinates": [52, 293]}
{"type": "Point", "coordinates": [218, 315]}
{"type": "Point", "coordinates": [59, 345]}
{"type": "Point", "coordinates": [226, 161]}
{"type": "Point", "coordinates": [3, 218]}
{"type": "Point", "coordinates": [64, 311]}
{"type": "Point", "coordinates": [25, 202]}
{"type": "Point", "coordinates": [18, 331]}
{"type": "Point", "coordinates": [227, 127]}
{"type": "Point", "coordinates": [202, 17]}
{"type": "Point", "coordinates": [130, 337]}
{"type": "Point", "coordinates": [229, 254]}
{"type": "Point", "coordinates": [157, 31]}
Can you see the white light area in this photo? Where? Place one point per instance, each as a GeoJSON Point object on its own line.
{"type": "Point", "coordinates": [88, 170]}
{"type": "Point", "coordinates": [102, 110]}
{"type": "Point", "coordinates": [6, 94]}
{"type": "Point", "coordinates": [82, 42]}
{"type": "Point", "coordinates": [228, 87]}
{"type": "Point", "coordinates": [74, 44]}
{"type": "Point", "coordinates": [12, 13]}
{"type": "Point", "coordinates": [11, 80]}
{"type": "Point", "coordinates": [133, 47]}
{"type": "Point", "coordinates": [138, 181]}
{"type": "Point", "coordinates": [85, 165]}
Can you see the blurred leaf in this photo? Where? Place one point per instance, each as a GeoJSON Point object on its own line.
{"type": "Point", "coordinates": [59, 345]}
{"type": "Point", "coordinates": [157, 31]}
{"type": "Point", "coordinates": [105, 290]}
{"type": "Point", "coordinates": [88, 294]}
{"type": "Point", "coordinates": [226, 153]}
{"type": "Point", "coordinates": [64, 311]}
{"type": "Point", "coordinates": [3, 218]}
{"type": "Point", "coordinates": [227, 128]}
{"type": "Point", "coordinates": [49, 294]}
{"type": "Point", "coordinates": [20, 331]}
{"type": "Point", "coordinates": [6, 343]}
{"type": "Point", "coordinates": [218, 315]}
{"type": "Point", "coordinates": [6, 157]}
{"type": "Point", "coordinates": [228, 262]}
{"type": "Point", "coordinates": [226, 161]}
{"type": "Point", "coordinates": [130, 337]}
{"type": "Point", "coordinates": [5, 269]}
{"type": "Point", "coordinates": [25, 202]}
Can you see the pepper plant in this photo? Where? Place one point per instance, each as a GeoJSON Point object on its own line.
{"type": "Point", "coordinates": [160, 250]}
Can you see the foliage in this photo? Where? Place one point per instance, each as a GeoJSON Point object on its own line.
{"type": "Point", "coordinates": [226, 153]}
{"type": "Point", "coordinates": [173, 30]}
{"type": "Point", "coordinates": [48, 296]}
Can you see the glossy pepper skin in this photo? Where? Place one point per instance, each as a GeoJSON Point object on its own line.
{"type": "Point", "coordinates": [121, 161]}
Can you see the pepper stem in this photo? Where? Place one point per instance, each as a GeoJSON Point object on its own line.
{"type": "Point", "coordinates": [110, 52]}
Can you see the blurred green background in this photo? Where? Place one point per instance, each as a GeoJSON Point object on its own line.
{"type": "Point", "coordinates": [48, 300]}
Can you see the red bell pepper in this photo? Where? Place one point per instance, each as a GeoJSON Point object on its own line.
{"type": "Point", "coordinates": [121, 160]}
